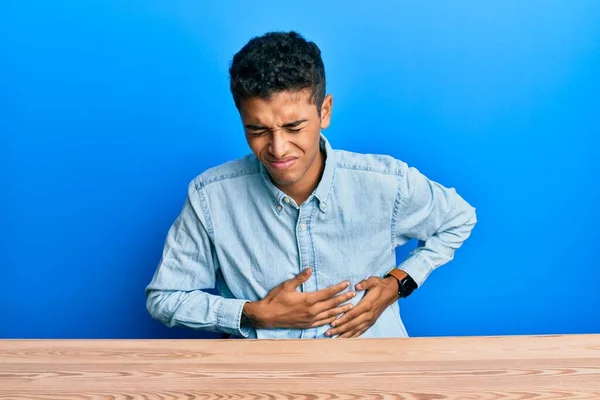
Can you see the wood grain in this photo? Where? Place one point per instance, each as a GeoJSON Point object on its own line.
{"type": "Point", "coordinates": [503, 367]}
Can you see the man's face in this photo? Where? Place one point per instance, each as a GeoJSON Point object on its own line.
{"type": "Point", "coordinates": [284, 134]}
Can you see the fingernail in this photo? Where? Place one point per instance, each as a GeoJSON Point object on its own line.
{"type": "Point", "coordinates": [333, 324]}
{"type": "Point", "coordinates": [327, 333]}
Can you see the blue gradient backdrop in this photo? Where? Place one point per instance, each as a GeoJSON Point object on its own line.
{"type": "Point", "coordinates": [109, 108]}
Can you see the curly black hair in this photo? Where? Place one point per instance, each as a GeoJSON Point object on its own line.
{"type": "Point", "coordinates": [276, 62]}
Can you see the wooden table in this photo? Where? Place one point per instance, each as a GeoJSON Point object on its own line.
{"type": "Point", "coordinates": [507, 367]}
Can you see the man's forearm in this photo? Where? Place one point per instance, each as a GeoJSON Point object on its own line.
{"type": "Point", "coordinates": [439, 249]}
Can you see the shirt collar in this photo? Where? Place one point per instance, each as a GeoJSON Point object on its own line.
{"type": "Point", "coordinates": [322, 190]}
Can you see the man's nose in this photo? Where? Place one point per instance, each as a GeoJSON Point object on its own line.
{"type": "Point", "coordinates": [278, 145]}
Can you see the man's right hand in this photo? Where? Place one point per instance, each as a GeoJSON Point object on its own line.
{"type": "Point", "coordinates": [286, 307]}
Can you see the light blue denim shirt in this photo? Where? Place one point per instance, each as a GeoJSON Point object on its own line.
{"type": "Point", "coordinates": [240, 234]}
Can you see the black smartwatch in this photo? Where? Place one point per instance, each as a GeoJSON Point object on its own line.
{"type": "Point", "coordinates": [406, 285]}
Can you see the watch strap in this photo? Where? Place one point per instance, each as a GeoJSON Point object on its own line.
{"type": "Point", "coordinates": [397, 273]}
{"type": "Point", "coordinates": [406, 284]}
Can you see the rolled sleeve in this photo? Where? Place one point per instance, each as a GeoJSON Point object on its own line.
{"type": "Point", "coordinates": [417, 267]}
{"type": "Point", "coordinates": [438, 217]}
{"type": "Point", "coordinates": [229, 317]}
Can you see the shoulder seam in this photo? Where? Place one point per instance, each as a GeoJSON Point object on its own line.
{"type": "Point", "coordinates": [365, 168]}
{"type": "Point", "coordinates": [205, 211]}
{"type": "Point", "coordinates": [202, 183]}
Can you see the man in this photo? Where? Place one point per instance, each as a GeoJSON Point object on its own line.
{"type": "Point", "coordinates": [298, 238]}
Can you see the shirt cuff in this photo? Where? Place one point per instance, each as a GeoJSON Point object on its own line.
{"type": "Point", "coordinates": [417, 267]}
{"type": "Point", "coordinates": [229, 316]}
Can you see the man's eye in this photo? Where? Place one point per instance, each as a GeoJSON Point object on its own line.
{"type": "Point", "coordinates": [257, 134]}
{"type": "Point", "coordinates": [295, 130]}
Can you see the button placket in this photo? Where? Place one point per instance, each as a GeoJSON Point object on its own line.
{"type": "Point", "coordinates": [306, 251]}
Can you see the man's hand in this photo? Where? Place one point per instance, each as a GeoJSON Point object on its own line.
{"type": "Point", "coordinates": [286, 307]}
{"type": "Point", "coordinates": [381, 293]}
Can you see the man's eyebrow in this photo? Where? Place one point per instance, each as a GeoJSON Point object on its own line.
{"type": "Point", "coordinates": [255, 127]}
{"type": "Point", "coordinates": [294, 124]}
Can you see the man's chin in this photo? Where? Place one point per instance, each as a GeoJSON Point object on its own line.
{"type": "Point", "coordinates": [282, 179]}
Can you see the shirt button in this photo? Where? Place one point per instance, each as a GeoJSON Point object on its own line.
{"type": "Point", "coordinates": [303, 226]}
{"type": "Point", "coordinates": [279, 207]}
{"type": "Point", "coordinates": [287, 200]}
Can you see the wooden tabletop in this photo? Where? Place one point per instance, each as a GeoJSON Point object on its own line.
{"type": "Point", "coordinates": [505, 367]}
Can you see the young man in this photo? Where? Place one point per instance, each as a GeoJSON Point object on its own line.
{"type": "Point", "coordinates": [298, 238]}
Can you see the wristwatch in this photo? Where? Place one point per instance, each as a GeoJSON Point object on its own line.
{"type": "Point", "coordinates": [406, 284]}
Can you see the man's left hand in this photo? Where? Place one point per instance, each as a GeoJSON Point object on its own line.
{"type": "Point", "coordinates": [381, 293]}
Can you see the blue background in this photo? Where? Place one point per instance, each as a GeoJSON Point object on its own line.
{"type": "Point", "coordinates": [109, 108]}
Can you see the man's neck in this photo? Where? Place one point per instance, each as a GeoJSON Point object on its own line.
{"type": "Point", "coordinates": [303, 189]}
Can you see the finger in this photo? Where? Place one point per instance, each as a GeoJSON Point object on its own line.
{"type": "Point", "coordinates": [360, 330]}
{"type": "Point", "coordinates": [347, 317]}
{"type": "Point", "coordinates": [299, 279]}
{"type": "Point", "coordinates": [327, 293]}
{"type": "Point", "coordinates": [336, 301]}
{"type": "Point", "coordinates": [359, 309]}
{"type": "Point", "coordinates": [356, 332]}
{"type": "Point", "coordinates": [348, 326]}
{"type": "Point", "coordinates": [346, 335]}
{"type": "Point", "coordinates": [334, 312]}
{"type": "Point", "coordinates": [344, 319]}
{"type": "Point", "coordinates": [367, 284]}
{"type": "Point", "coordinates": [322, 322]}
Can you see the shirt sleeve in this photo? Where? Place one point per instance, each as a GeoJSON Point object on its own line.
{"type": "Point", "coordinates": [176, 295]}
{"type": "Point", "coordinates": [436, 216]}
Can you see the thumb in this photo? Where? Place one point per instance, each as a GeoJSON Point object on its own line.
{"type": "Point", "coordinates": [366, 284]}
{"type": "Point", "coordinates": [301, 278]}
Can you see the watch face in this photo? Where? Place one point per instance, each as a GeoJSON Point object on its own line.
{"type": "Point", "coordinates": [407, 286]}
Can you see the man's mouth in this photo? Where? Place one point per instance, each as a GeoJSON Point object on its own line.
{"type": "Point", "coordinates": [282, 164]}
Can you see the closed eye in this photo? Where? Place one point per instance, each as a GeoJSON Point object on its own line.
{"type": "Point", "coordinates": [293, 126]}
{"type": "Point", "coordinates": [259, 130]}
{"type": "Point", "coordinates": [256, 131]}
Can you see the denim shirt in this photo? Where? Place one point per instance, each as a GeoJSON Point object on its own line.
{"type": "Point", "coordinates": [240, 234]}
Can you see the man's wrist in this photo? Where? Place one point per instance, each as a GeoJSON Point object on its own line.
{"type": "Point", "coordinates": [252, 316]}
{"type": "Point", "coordinates": [391, 278]}
{"type": "Point", "coordinates": [397, 274]}
{"type": "Point", "coordinates": [406, 285]}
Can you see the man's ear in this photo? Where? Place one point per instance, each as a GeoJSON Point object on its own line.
{"type": "Point", "coordinates": [326, 111]}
